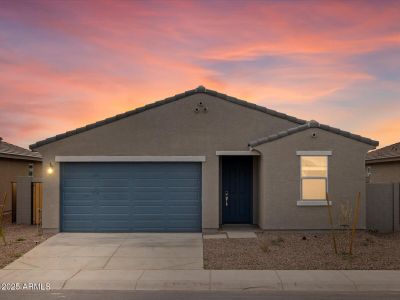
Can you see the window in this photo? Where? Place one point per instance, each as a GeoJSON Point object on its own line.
{"type": "Point", "coordinates": [314, 177]}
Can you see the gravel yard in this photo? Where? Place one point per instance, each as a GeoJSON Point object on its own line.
{"type": "Point", "coordinates": [20, 239]}
{"type": "Point", "coordinates": [305, 251]}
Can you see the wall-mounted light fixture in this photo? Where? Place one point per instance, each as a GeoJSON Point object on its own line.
{"type": "Point", "coordinates": [50, 169]}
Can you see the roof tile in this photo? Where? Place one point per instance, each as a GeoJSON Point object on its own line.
{"type": "Point", "coordinates": [18, 152]}
{"type": "Point", "coordinates": [388, 152]}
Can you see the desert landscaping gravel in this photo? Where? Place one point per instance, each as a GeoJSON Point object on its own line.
{"type": "Point", "coordinates": [303, 251]}
{"type": "Point", "coordinates": [20, 239]}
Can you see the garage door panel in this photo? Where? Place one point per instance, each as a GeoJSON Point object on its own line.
{"type": "Point", "coordinates": [77, 196]}
{"type": "Point", "coordinates": [149, 171]}
{"type": "Point", "coordinates": [78, 209]}
{"type": "Point", "coordinates": [113, 226]}
{"type": "Point", "coordinates": [79, 182]}
{"type": "Point", "coordinates": [185, 210]}
{"type": "Point", "coordinates": [77, 203]}
{"type": "Point", "coordinates": [149, 202]}
{"type": "Point", "coordinates": [114, 203]}
{"type": "Point", "coordinates": [138, 197]}
{"type": "Point", "coordinates": [183, 194]}
{"type": "Point", "coordinates": [76, 226]}
{"type": "Point", "coordinates": [149, 182]}
{"type": "Point", "coordinates": [113, 197]}
{"type": "Point", "coordinates": [112, 209]}
{"type": "Point", "coordinates": [111, 182]}
{"type": "Point", "coordinates": [148, 210]}
{"type": "Point", "coordinates": [183, 183]}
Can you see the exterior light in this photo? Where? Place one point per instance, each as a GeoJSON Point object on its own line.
{"type": "Point", "coordinates": [50, 169]}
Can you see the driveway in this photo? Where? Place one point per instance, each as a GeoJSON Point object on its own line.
{"type": "Point", "coordinates": [111, 261]}
{"type": "Point", "coordinates": [115, 251]}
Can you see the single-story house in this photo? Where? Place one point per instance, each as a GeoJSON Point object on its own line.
{"type": "Point", "coordinates": [383, 165]}
{"type": "Point", "coordinates": [198, 160]}
{"type": "Point", "coordinates": [15, 161]}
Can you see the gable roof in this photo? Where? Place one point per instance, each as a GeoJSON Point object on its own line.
{"type": "Point", "coordinates": [312, 124]}
{"type": "Point", "coordinates": [391, 152]}
{"type": "Point", "coordinates": [198, 90]}
{"type": "Point", "coordinates": [12, 151]}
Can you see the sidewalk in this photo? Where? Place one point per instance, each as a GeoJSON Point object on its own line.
{"type": "Point", "coordinates": [298, 280]}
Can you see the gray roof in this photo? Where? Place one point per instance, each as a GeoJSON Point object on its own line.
{"type": "Point", "coordinates": [200, 89]}
{"type": "Point", "coordinates": [12, 151]}
{"type": "Point", "coordinates": [391, 152]}
{"type": "Point", "coordinates": [312, 124]}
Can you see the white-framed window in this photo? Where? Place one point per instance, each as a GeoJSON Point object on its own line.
{"type": "Point", "coordinates": [313, 177]}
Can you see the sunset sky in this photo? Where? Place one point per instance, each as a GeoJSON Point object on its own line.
{"type": "Point", "coordinates": [64, 64]}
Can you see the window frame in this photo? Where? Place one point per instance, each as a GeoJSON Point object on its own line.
{"type": "Point", "coordinates": [317, 202]}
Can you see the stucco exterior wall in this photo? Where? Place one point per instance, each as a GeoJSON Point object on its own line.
{"type": "Point", "coordinates": [173, 129]}
{"type": "Point", "coordinates": [10, 169]}
{"type": "Point", "coordinates": [386, 172]}
{"type": "Point", "coordinates": [280, 179]}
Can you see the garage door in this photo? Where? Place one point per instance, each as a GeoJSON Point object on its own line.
{"type": "Point", "coordinates": [130, 197]}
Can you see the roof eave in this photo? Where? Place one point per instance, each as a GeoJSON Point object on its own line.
{"type": "Point", "coordinates": [382, 160]}
{"type": "Point", "coordinates": [20, 157]}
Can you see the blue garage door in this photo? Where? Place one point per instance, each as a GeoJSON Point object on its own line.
{"type": "Point", "coordinates": [131, 197]}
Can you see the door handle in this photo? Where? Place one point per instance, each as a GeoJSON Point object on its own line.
{"type": "Point", "coordinates": [226, 198]}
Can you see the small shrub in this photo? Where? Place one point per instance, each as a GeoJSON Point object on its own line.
{"type": "Point", "coordinates": [20, 239]}
{"type": "Point", "coordinates": [346, 256]}
{"type": "Point", "coordinates": [345, 213]}
{"type": "Point", "coordinates": [263, 243]}
{"type": "Point", "coordinates": [276, 242]}
{"type": "Point", "coordinates": [369, 240]}
{"type": "Point", "coordinates": [18, 255]}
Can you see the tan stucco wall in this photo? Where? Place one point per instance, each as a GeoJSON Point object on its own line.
{"type": "Point", "coordinates": [280, 179]}
{"type": "Point", "coordinates": [9, 170]}
{"type": "Point", "coordinates": [173, 129]}
{"type": "Point", "coordinates": [387, 172]}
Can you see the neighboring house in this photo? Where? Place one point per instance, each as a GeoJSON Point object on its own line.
{"type": "Point", "coordinates": [383, 165]}
{"type": "Point", "coordinates": [198, 160]}
{"type": "Point", "coordinates": [15, 161]}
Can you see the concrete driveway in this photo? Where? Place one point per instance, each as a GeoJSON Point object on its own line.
{"type": "Point", "coordinates": [109, 260]}
{"type": "Point", "coordinates": [115, 251]}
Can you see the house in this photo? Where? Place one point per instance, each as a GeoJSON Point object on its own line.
{"type": "Point", "coordinates": [15, 161]}
{"type": "Point", "coordinates": [198, 160]}
{"type": "Point", "coordinates": [383, 165]}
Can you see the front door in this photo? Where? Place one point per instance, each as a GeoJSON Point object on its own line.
{"type": "Point", "coordinates": [236, 191]}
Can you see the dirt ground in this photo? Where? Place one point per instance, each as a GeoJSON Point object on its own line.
{"type": "Point", "coordinates": [305, 251]}
{"type": "Point", "coordinates": [20, 239]}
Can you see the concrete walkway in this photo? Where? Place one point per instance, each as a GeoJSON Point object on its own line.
{"type": "Point", "coordinates": [166, 262]}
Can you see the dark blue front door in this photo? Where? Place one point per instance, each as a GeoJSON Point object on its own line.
{"type": "Point", "coordinates": [236, 189]}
